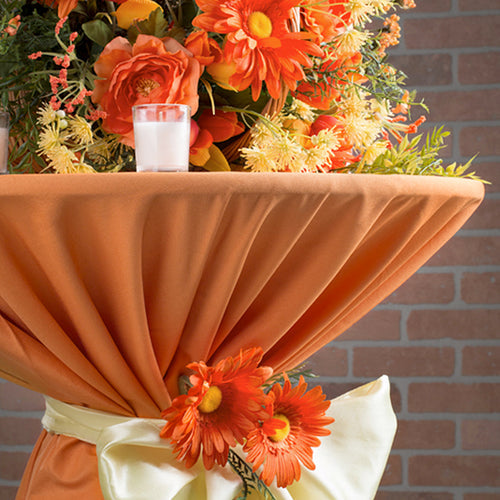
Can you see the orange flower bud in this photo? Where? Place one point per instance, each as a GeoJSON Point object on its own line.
{"type": "Point", "coordinates": [221, 125]}
{"type": "Point", "coordinates": [221, 72]}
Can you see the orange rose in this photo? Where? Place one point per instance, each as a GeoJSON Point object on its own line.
{"type": "Point", "coordinates": [153, 70]}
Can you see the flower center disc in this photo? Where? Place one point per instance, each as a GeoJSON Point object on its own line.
{"type": "Point", "coordinates": [260, 25]}
{"type": "Point", "coordinates": [145, 87]}
{"type": "Point", "coordinates": [211, 400]}
{"type": "Point", "coordinates": [281, 434]}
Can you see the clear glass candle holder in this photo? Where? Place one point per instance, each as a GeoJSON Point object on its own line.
{"type": "Point", "coordinates": [162, 135]}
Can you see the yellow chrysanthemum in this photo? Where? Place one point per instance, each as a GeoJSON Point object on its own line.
{"type": "Point", "coordinates": [361, 130]}
{"type": "Point", "coordinates": [80, 130]}
{"type": "Point", "coordinates": [350, 41]}
{"type": "Point", "coordinates": [83, 168]}
{"type": "Point", "coordinates": [360, 11]}
{"type": "Point", "coordinates": [62, 160]}
{"type": "Point", "coordinates": [46, 115]}
{"type": "Point", "coordinates": [257, 160]}
{"type": "Point", "coordinates": [303, 110]}
{"type": "Point", "coordinates": [50, 139]}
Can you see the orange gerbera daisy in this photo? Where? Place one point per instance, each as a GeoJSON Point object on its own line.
{"type": "Point", "coordinates": [224, 403]}
{"type": "Point", "coordinates": [282, 442]}
{"type": "Point", "coordinates": [259, 42]}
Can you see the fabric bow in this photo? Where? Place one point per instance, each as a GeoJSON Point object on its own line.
{"type": "Point", "coordinates": [136, 464]}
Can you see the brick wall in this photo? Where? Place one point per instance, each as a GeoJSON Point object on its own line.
{"type": "Point", "coordinates": [436, 336]}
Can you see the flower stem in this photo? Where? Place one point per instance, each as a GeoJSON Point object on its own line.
{"type": "Point", "coordinates": [250, 480]}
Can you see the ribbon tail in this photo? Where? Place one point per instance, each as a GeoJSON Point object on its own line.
{"type": "Point", "coordinates": [351, 460]}
{"type": "Point", "coordinates": [136, 464]}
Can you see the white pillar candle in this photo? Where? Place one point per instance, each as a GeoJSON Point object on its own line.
{"type": "Point", "coordinates": [4, 149]}
{"type": "Point", "coordinates": [162, 146]}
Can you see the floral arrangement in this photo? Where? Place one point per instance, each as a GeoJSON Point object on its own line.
{"type": "Point", "coordinates": [283, 85]}
{"type": "Point", "coordinates": [238, 401]}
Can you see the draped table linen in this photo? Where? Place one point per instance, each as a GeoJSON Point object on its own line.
{"type": "Point", "coordinates": [111, 283]}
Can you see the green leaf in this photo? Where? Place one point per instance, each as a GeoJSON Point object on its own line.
{"type": "Point", "coordinates": [98, 31]}
{"type": "Point", "coordinates": [154, 25]}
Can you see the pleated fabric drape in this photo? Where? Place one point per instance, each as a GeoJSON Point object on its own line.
{"type": "Point", "coordinates": [111, 283]}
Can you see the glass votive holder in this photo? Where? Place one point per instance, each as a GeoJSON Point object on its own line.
{"type": "Point", "coordinates": [162, 136]}
{"type": "Point", "coordinates": [4, 142]}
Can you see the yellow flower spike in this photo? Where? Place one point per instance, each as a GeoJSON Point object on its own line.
{"type": "Point", "coordinates": [134, 10]}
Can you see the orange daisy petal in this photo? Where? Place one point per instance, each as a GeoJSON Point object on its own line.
{"type": "Point", "coordinates": [304, 412]}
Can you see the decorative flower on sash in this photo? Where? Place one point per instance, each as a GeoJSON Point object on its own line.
{"type": "Point", "coordinates": [237, 402]}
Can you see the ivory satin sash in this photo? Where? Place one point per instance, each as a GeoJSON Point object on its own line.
{"type": "Point", "coordinates": [136, 464]}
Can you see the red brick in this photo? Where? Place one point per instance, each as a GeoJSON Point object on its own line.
{"type": "Point", "coordinates": [425, 434]}
{"type": "Point", "coordinates": [468, 251]}
{"type": "Point", "coordinates": [424, 69]}
{"type": "Point", "coordinates": [436, 470]}
{"type": "Point", "coordinates": [486, 216]}
{"type": "Point", "coordinates": [481, 360]}
{"type": "Point", "coordinates": [328, 362]}
{"type": "Point", "coordinates": [333, 390]}
{"type": "Point", "coordinates": [429, 6]}
{"type": "Point", "coordinates": [453, 324]}
{"type": "Point", "coordinates": [481, 496]}
{"type": "Point", "coordinates": [406, 495]}
{"type": "Point", "coordinates": [478, 5]}
{"type": "Point", "coordinates": [480, 140]}
{"type": "Point", "coordinates": [481, 435]}
{"type": "Point", "coordinates": [448, 106]}
{"type": "Point", "coordinates": [16, 398]}
{"type": "Point", "coordinates": [437, 397]}
{"type": "Point", "coordinates": [376, 325]}
{"type": "Point", "coordinates": [12, 464]}
{"type": "Point", "coordinates": [424, 288]}
{"type": "Point", "coordinates": [481, 288]}
{"type": "Point", "coordinates": [19, 431]}
{"type": "Point", "coordinates": [489, 171]}
{"type": "Point", "coordinates": [403, 361]}
{"type": "Point", "coordinates": [8, 492]}
{"type": "Point", "coordinates": [449, 32]}
{"type": "Point", "coordinates": [479, 68]}
{"type": "Point", "coordinates": [393, 471]}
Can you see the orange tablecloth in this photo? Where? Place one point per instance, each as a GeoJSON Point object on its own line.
{"type": "Point", "coordinates": [111, 283]}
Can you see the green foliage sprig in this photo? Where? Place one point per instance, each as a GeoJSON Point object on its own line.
{"type": "Point", "coordinates": [409, 158]}
{"type": "Point", "coordinates": [249, 478]}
